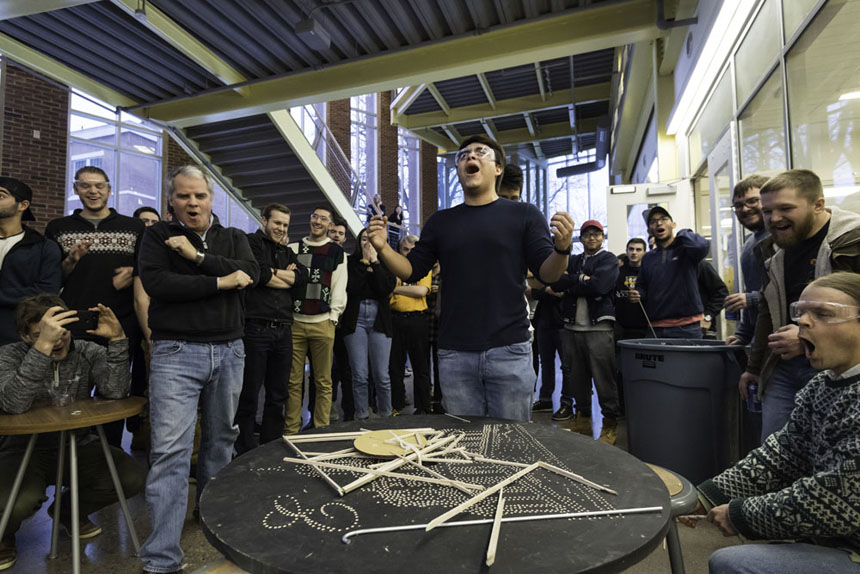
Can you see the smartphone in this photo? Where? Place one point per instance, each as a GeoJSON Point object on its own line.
{"type": "Point", "coordinates": [87, 321]}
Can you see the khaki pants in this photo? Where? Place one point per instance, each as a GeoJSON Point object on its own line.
{"type": "Point", "coordinates": [318, 338]}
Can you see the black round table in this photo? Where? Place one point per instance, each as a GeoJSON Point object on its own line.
{"type": "Point", "coordinates": [271, 516]}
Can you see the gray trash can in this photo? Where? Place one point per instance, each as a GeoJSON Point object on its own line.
{"type": "Point", "coordinates": [682, 404]}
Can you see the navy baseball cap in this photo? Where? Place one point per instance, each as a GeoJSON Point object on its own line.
{"type": "Point", "coordinates": [20, 191]}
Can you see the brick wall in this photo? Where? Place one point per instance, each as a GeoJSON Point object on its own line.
{"type": "Point", "coordinates": [429, 181]}
{"type": "Point", "coordinates": [174, 157]}
{"type": "Point", "coordinates": [32, 104]}
{"type": "Point", "coordinates": [337, 118]}
{"type": "Point", "coordinates": [386, 153]}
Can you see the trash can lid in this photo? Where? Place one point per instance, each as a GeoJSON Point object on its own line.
{"type": "Point", "coordinates": [691, 345]}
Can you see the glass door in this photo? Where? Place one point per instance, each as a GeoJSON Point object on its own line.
{"type": "Point", "coordinates": [726, 232]}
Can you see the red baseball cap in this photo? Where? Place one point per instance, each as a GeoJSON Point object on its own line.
{"type": "Point", "coordinates": [591, 223]}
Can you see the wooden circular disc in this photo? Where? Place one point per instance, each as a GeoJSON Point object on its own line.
{"type": "Point", "coordinates": [673, 485]}
{"type": "Point", "coordinates": [374, 442]}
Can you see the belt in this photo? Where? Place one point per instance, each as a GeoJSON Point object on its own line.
{"type": "Point", "coordinates": [269, 324]}
{"type": "Point", "coordinates": [409, 313]}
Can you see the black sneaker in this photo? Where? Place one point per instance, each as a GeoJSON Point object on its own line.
{"type": "Point", "coordinates": [565, 413]}
{"type": "Point", "coordinates": [542, 406]}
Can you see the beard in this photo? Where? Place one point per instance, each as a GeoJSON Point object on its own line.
{"type": "Point", "coordinates": [794, 235]}
{"type": "Point", "coordinates": [9, 212]}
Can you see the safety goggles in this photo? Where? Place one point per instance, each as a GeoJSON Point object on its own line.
{"type": "Point", "coordinates": [480, 152]}
{"type": "Point", "coordinates": [823, 311]}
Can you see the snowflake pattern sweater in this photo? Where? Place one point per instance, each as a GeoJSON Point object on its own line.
{"type": "Point", "coordinates": [803, 483]}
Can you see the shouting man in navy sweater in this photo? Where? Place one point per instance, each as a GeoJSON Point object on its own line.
{"type": "Point", "coordinates": [484, 247]}
{"type": "Point", "coordinates": [668, 283]}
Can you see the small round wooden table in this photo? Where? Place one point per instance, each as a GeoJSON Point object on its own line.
{"type": "Point", "coordinates": [79, 414]}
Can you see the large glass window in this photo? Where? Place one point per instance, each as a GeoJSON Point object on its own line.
{"type": "Point", "coordinates": [582, 196]}
{"type": "Point", "coordinates": [757, 51]}
{"type": "Point", "coordinates": [712, 123]}
{"type": "Point", "coordinates": [127, 148]}
{"type": "Point", "coordinates": [824, 99]}
{"type": "Point", "coordinates": [409, 172]}
{"type": "Point", "coordinates": [793, 13]}
{"type": "Point", "coordinates": [363, 140]}
{"type": "Point", "coordinates": [762, 131]}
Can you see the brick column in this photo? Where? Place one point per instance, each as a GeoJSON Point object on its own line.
{"type": "Point", "coordinates": [337, 118]}
{"type": "Point", "coordinates": [429, 181]}
{"type": "Point", "coordinates": [35, 139]}
{"type": "Point", "coordinates": [386, 153]}
{"type": "Point", "coordinates": [173, 157]}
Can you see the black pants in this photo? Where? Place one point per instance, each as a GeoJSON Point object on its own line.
{"type": "Point", "coordinates": [268, 358]}
{"type": "Point", "coordinates": [549, 344]}
{"type": "Point", "coordinates": [411, 335]}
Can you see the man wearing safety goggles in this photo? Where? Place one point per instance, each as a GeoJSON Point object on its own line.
{"type": "Point", "coordinates": [808, 241]}
{"type": "Point", "coordinates": [484, 246]}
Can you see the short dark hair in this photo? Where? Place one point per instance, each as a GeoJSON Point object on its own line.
{"type": "Point", "coordinates": [330, 211]}
{"type": "Point", "coordinates": [754, 181]}
{"type": "Point", "coordinates": [338, 221]}
{"type": "Point", "coordinates": [637, 240]}
{"type": "Point", "coordinates": [145, 209]}
{"type": "Point", "coordinates": [267, 211]}
{"type": "Point", "coordinates": [31, 309]}
{"type": "Point", "coordinates": [91, 169]}
{"type": "Point", "coordinates": [806, 182]}
{"type": "Point", "coordinates": [512, 177]}
{"type": "Point", "coordinates": [492, 144]}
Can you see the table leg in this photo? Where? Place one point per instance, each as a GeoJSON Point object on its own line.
{"type": "Point", "coordinates": [676, 559]}
{"type": "Point", "coordinates": [76, 520]}
{"type": "Point", "coordinates": [58, 499]}
{"type": "Point", "coordinates": [16, 486]}
{"type": "Point", "coordinates": [118, 487]}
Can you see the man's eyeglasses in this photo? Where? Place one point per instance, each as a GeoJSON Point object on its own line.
{"type": "Point", "coordinates": [591, 235]}
{"type": "Point", "coordinates": [658, 220]}
{"type": "Point", "coordinates": [480, 152]}
{"type": "Point", "coordinates": [751, 202]}
{"type": "Point", "coordinates": [322, 218]}
{"type": "Point", "coordinates": [86, 186]}
{"type": "Point", "coordinates": [823, 311]}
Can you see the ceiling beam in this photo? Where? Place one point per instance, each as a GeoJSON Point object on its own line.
{"type": "Point", "coordinates": [538, 151]}
{"type": "Point", "coordinates": [507, 107]}
{"type": "Point", "coordinates": [578, 31]}
{"type": "Point", "coordinates": [453, 134]}
{"type": "Point", "coordinates": [530, 124]}
{"type": "Point", "coordinates": [488, 90]}
{"type": "Point", "coordinates": [175, 35]}
{"type": "Point", "coordinates": [23, 54]}
{"type": "Point", "coordinates": [541, 84]}
{"type": "Point", "coordinates": [433, 137]}
{"type": "Point", "coordinates": [490, 129]}
{"type": "Point", "coordinates": [508, 137]}
{"type": "Point", "coordinates": [446, 109]}
{"type": "Point", "coordinates": [17, 8]}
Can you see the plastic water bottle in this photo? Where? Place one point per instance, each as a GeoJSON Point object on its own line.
{"type": "Point", "coordinates": [753, 400]}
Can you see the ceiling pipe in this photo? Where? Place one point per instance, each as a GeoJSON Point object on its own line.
{"type": "Point", "coordinates": [601, 150]}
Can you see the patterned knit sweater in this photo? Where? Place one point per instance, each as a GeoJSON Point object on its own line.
{"type": "Point", "coordinates": [804, 481]}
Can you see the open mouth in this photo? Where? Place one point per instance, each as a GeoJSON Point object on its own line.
{"type": "Point", "coordinates": [472, 168]}
{"type": "Point", "coordinates": [808, 346]}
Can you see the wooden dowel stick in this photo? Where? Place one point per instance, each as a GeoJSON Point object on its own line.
{"type": "Point", "coordinates": [479, 458]}
{"type": "Point", "coordinates": [450, 460]}
{"type": "Point", "coordinates": [319, 471]}
{"type": "Point", "coordinates": [479, 497]}
{"type": "Point", "coordinates": [432, 472]}
{"type": "Point", "coordinates": [443, 481]}
{"type": "Point", "coordinates": [332, 436]}
{"type": "Point", "coordinates": [397, 463]}
{"type": "Point", "coordinates": [576, 477]}
{"type": "Point", "coordinates": [494, 534]}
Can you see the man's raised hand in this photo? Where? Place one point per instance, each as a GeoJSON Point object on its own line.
{"type": "Point", "coordinates": [377, 231]}
{"type": "Point", "coordinates": [561, 227]}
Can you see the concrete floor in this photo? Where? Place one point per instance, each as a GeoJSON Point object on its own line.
{"type": "Point", "coordinates": [112, 551]}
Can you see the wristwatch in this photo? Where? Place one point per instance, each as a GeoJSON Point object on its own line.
{"type": "Point", "coordinates": [708, 318]}
{"type": "Point", "coordinates": [563, 251]}
{"type": "Point", "coordinates": [198, 259]}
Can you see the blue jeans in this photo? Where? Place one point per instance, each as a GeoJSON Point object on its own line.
{"type": "Point", "coordinates": [794, 558]}
{"type": "Point", "coordinates": [181, 374]}
{"type": "Point", "coordinates": [364, 346]}
{"type": "Point", "coordinates": [498, 382]}
{"type": "Point", "coordinates": [691, 331]}
{"type": "Point", "coordinates": [777, 400]}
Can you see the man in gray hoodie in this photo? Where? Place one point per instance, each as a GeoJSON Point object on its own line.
{"type": "Point", "coordinates": [49, 362]}
{"type": "Point", "coordinates": [808, 241]}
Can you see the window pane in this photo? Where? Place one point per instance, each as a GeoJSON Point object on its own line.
{"type": "Point", "coordinates": [139, 183]}
{"type": "Point", "coordinates": [241, 219]}
{"type": "Point", "coordinates": [219, 205]}
{"type": "Point", "coordinates": [82, 154]}
{"type": "Point", "coordinates": [93, 130]}
{"type": "Point", "coordinates": [824, 100]}
{"type": "Point", "coordinates": [757, 51]}
{"type": "Point", "coordinates": [139, 141]}
{"type": "Point", "coordinates": [712, 123]}
{"type": "Point", "coordinates": [89, 106]}
{"type": "Point", "coordinates": [762, 131]}
{"type": "Point", "coordinates": [793, 13]}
